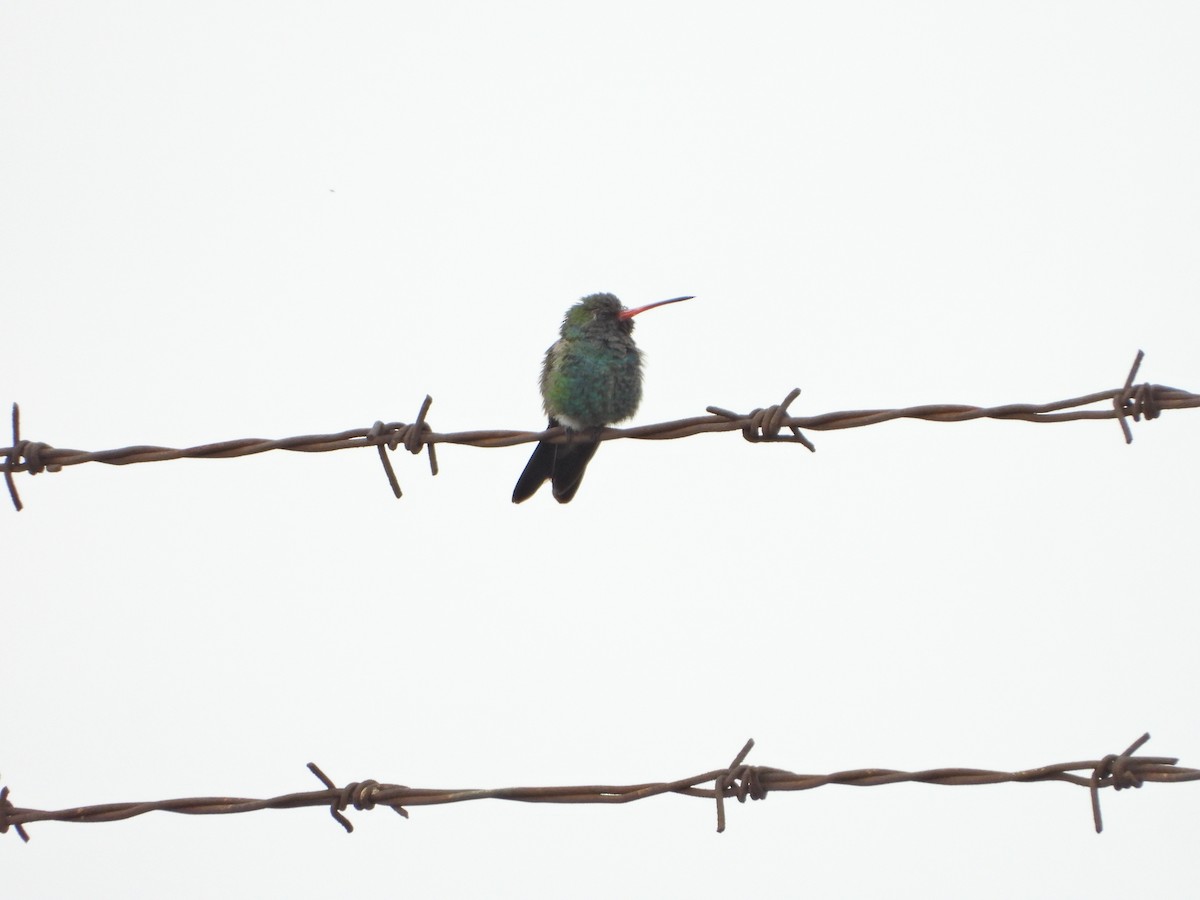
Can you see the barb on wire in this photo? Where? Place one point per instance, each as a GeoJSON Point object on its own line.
{"type": "Point", "coordinates": [759, 425]}
{"type": "Point", "coordinates": [410, 436]}
{"type": "Point", "coordinates": [738, 781]}
{"type": "Point", "coordinates": [29, 451]}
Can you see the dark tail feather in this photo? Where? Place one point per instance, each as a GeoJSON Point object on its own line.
{"type": "Point", "coordinates": [538, 471]}
{"type": "Point", "coordinates": [562, 465]}
{"type": "Point", "coordinates": [569, 467]}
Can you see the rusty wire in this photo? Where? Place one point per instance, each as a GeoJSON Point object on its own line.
{"type": "Point", "coordinates": [759, 425]}
{"type": "Point", "coordinates": [737, 781]}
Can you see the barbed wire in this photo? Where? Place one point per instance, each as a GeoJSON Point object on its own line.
{"type": "Point", "coordinates": [758, 426]}
{"type": "Point", "coordinates": [735, 781]}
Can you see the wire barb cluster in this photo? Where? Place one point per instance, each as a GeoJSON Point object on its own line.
{"type": "Point", "coordinates": [760, 425]}
{"type": "Point", "coordinates": [28, 451]}
{"type": "Point", "coordinates": [737, 781]}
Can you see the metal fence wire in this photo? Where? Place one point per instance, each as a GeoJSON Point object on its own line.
{"type": "Point", "coordinates": [1131, 401]}
{"type": "Point", "coordinates": [736, 781]}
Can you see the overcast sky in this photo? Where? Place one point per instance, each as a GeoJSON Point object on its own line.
{"type": "Point", "coordinates": [260, 219]}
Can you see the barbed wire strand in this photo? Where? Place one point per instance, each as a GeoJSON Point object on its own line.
{"type": "Point", "coordinates": [757, 426]}
{"type": "Point", "coordinates": [737, 781]}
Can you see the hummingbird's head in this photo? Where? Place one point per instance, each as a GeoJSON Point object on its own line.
{"type": "Point", "coordinates": [605, 312]}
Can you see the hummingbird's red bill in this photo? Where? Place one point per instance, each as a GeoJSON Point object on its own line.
{"type": "Point", "coordinates": [630, 313]}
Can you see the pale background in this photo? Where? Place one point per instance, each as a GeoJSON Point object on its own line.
{"type": "Point", "coordinates": [224, 220]}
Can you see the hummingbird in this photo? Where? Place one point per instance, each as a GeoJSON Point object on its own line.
{"type": "Point", "coordinates": [591, 377]}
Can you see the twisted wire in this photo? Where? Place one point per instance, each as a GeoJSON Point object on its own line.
{"type": "Point", "coordinates": [737, 780]}
{"type": "Point", "coordinates": [761, 425]}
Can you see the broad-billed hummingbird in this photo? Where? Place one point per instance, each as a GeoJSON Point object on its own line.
{"type": "Point", "coordinates": [592, 377]}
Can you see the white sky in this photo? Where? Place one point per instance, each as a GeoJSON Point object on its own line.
{"type": "Point", "coordinates": [225, 220]}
